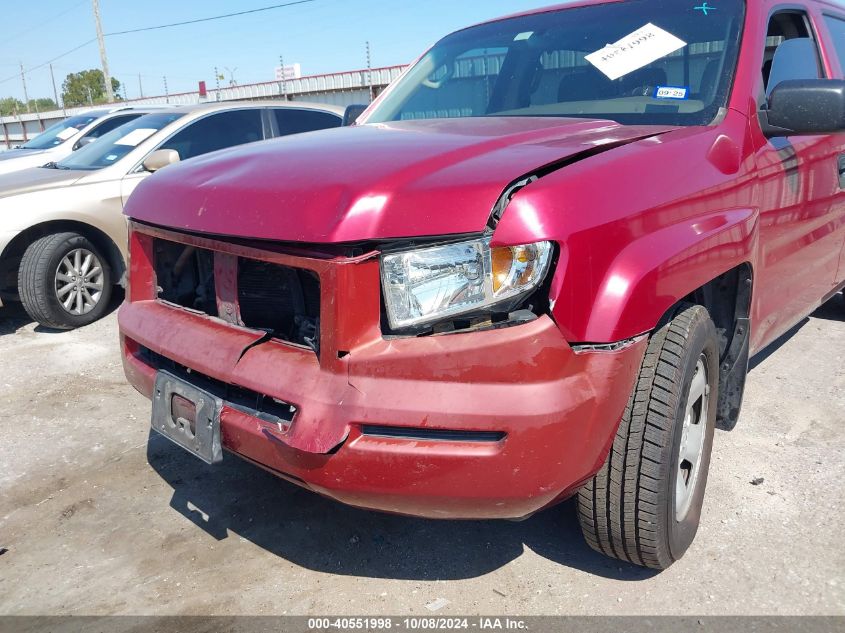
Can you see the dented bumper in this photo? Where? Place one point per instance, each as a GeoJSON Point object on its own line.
{"type": "Point", "coordinates": [484, 424]}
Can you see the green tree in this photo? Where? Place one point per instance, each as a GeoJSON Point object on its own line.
{"type": "Point", "coordinates": [42, 105]}
{"type": "Point", "coordinates": [87, 87]}
{"type": "Point", "coordinates": [10, 106]}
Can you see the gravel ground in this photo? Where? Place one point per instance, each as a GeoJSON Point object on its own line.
{"type": "Point", "coordinates": [100, 517]}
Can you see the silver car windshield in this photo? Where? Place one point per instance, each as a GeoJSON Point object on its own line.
{"type": "Point", "coordinates": [658, 62]}
{"type": "Point", "coordinates": [57, 134]}
{"type": "Point", "coordinates": [111, 147]}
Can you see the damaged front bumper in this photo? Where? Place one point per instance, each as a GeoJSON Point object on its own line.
{"type": "Point", "coordinates": [483, 424]}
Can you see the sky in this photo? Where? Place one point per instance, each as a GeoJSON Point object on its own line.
{"type": "Point", "coordinates": [323, 36]}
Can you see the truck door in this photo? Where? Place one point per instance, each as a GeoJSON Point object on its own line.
{"type": "Point", "coordinates": [834, 44]}
{"type": "Point", "coordinates": [801, 211]}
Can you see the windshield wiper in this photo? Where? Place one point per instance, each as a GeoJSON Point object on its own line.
{"type": "Point", "coordinates": [53, 165]}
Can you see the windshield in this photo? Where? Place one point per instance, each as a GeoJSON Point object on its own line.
{"type": "Point", "coordinates": [654, 62]}
{"type": "Point", "coordinates": [111, 147]}
{"type": "Point", "coordinates": [61, 132]}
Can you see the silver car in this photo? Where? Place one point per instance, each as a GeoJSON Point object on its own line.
{"type": "Point", "coordinates": [62, 230]}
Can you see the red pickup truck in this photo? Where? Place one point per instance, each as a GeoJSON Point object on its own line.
{"type": "Point", "coordinates": [536, 267]}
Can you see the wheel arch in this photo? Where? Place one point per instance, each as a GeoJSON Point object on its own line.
{"type": "Point", "coordinates": [727, 298]}
{"type": "Point", "coordinates": [12, 254]}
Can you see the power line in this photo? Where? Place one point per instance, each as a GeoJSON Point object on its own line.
{"type": "Point", "coordinates": [50, 61]}
{"type": "Point", "coordinates": [161, 26]}
{"type": "Point", "coordinates": [216, 17]}
{"type": "Point", "coordinates": [41, 23]}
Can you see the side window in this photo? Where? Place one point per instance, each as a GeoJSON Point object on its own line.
{"type": "Point", "coordinates": [107, 126]}
{"type": "Point", "coordinates": [791, 51]}
{"type": "Point", "coordinates": [217, 131]}
{"type": "Point", "coordinates": [836, 26]}
{"type": "Point", "coordinates": [292, 121]}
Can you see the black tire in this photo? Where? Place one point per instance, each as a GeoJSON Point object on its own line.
{"type": "Point", "coordinates": [628, 510]}
{"type": "Point", "coordinates": [37, 279]}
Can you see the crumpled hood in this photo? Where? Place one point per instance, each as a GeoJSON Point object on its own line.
{"type": "Point", "coordinates": [36, 179]}
{"type": "Point", "coordinates": [403, 179]}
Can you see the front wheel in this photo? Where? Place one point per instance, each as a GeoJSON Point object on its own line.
{"type": "Point", "coordinates": [644, 505]}
{"type": "Point", "coordinates": [64, 282]}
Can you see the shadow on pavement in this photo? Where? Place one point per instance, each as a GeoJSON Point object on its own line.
{"type": "Point", "coordinates": [13, 317]}
{"type": "Point", "coordinates": [323, 535]}
{"type": "Point", "coordinates": [833, 310]}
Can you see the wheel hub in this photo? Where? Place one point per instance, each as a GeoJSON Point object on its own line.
{"type": "Point", "coordinates": [693, 434]}
{"type": "Point", "coordinates": [79, 281]}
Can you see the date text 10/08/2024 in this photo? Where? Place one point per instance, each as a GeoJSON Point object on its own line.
{"type": "Point", "coordinates": [417, 624]}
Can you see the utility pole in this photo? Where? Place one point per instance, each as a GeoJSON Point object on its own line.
{"type": "Point", "coordinates": [140, 86]}
{"type": "Point", "coordinates": [25, 93]}
{"type": "Point", "coordinates": [56, 92]}
{"type": "Point", "coordinates": [370, 73]}
{"type": "Point", "coordinates": [103, 59]}
{"type": "Point", "coordinates": [284, 83]}
{"type": "Point", "coordinates": [166, 91]}
{"type": "Point", "coordinates": [90, 96]}
{"type": "Point", "coordinates": [217, 82]}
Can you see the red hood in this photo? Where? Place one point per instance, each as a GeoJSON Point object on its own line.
{"type": "Point", "coordinates": [408, 179]}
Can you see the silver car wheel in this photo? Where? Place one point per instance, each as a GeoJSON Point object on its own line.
{"type": "Point", "coordinates": [692, 439]}
{"type": "Point", "coordinates": [79, 281]}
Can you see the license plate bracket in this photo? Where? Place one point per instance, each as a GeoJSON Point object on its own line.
{"type": "Point", "coordinates": [199, 436]}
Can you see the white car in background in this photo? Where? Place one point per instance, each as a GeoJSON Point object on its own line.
{"type": "Point", "coordinates": [60, 140]}
{"type": "Point", "coordinates": [63, 235]}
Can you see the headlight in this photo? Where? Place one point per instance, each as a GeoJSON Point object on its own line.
{"type": "Point", "coordinates": [429, 284]}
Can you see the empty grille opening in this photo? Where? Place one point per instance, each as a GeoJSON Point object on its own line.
{"type": "Point", "coordinates": [185, 276]}
{"type": "Point", "coordinates": [436, 435]}
{"type": "Point", "coordinates": [250, 402]}
{"type": "Point", "coordinates": [282, 301]}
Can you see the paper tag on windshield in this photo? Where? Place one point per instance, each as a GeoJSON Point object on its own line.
{"type": "Point", "coordinates": [634, 51]}
{"type": "Point", "coordinates": [136, 136]}
{"type": "Point", "coordinates": [67, 133]}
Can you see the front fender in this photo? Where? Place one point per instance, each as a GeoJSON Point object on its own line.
{"type": "Point", "coordinates": [95, 205]}
{"type": "Point", "coordinates": [605, 292]}
{"type": "Point", "coordinates": [652, 274]}
{"type": "Point", "coordinates": [639, 229]}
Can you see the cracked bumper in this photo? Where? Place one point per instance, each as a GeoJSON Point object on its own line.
{"type": "Point", "coordinates": [552, 412]}
{"type": "Point", "coordinates": [557, 409]}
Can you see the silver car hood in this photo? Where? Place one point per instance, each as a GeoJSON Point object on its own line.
{"type": "Point", "coordinates": [37, 179]}
{"type": "Point", "coordinates": [17, 153]}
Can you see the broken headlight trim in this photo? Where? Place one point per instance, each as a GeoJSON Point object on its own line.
{"type": "Point", "coordinates": [426, 285]}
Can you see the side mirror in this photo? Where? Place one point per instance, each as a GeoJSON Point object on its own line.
{"type": "Point", "coordinates": [161, 158]}
{"type": "Point", "coordinates": [86, 140]}
{"type": "Point", "coordinates": [352, 113]}
{"type": "Point", "coordinates": [805, 106]}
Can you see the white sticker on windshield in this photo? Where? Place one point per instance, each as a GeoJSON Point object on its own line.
{"type": "Point", "coordinates": [634, 51]}
{"type": "Point", "coordinates": [67, 133]}
{"type": "Point", "coordinates": [136, 136]}
{"type": "Point", "coordinates": [523, 36]}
